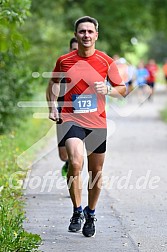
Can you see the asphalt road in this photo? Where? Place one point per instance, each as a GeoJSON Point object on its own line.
{"type": "Point", "coordinates": [132, 209]}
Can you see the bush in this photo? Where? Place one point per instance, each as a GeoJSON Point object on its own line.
{"type": "Point", "coordinates": [15, 86]}
{"type": "Point", "coordinates": [15, 75]}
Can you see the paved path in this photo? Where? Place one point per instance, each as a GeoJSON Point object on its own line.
{"type": "Point", "coordinates": [132, 210]}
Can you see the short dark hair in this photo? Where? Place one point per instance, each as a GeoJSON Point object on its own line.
{"type": "Point", "coordinates": [86, 19]}
{"type": "Point", "coordinates": [73, 40]}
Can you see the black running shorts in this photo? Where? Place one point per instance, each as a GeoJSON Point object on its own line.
{"type": "Point", "coordinates": [94, 138]}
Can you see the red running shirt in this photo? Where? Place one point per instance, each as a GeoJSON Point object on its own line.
{"type": "Point", "coordinates": [152, 69]}
{"type": "Point", "coordinates": [82, 104]}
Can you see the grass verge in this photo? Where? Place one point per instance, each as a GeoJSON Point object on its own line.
{"type": "Point", "coordinates": [13, 237]}
{"type": "Point", "coordinates": [164, 115]}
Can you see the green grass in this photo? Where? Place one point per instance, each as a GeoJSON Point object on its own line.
{"type": "Point", "coordinates": [164, 114]}
{"type": "Point", "coordinates": [13, 237]}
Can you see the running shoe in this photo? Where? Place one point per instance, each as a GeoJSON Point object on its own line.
{"type": "Point", "coordinates": [89, 226]}
{"type": "Point", "coordinates": [76, 222]}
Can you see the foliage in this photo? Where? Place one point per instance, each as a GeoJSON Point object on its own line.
{"type": "Point", "coordinates": [118, 21]}
{"type": "Point", "coordinates": [158, 47]}
{"type": "Point", "coordinates": [15, 79]}
{"type": "Point", "coordinates": [49, 37]}
{"type": "Point", "coordinates": [35, 33]}
{"type": "Point", "coordinates": [15, 75]}
{"type": "Point", "coordinates": [121, 20]}
{"type": "Point", "coordinates": [13, 237]}
{"type": "Point", "coordinates": [158, 12]}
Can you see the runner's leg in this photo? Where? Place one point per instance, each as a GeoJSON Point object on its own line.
{"type": "Point", "coordinates": [95, 164]}
{"type": "Point", "coordinates": [74, 148]}
{"type": "Point", "coordinates": [63, 153]}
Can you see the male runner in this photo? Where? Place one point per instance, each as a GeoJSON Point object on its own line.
{"type": "Point", "coordinates": [83, 115]}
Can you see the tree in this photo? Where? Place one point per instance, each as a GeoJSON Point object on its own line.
{"type": "Point", "coordinates": [14, 74]}
{"type": "Point", "coordinates": [121, 20]}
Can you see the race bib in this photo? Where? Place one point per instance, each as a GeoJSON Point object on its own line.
{"type": "Point", "coordinates": [84, 103]}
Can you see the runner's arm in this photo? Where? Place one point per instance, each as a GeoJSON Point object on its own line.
{"type": "Point", "coordinates": [52, 94]}
{"type": "Point", "coordinates": [118, 91]}
{"type": "Point", "coordinates": [116, 87]}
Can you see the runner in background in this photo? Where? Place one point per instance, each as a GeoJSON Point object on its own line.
{"type": "Point", "coordinates": [152, 68]}
{"type": "Point", "coordinates": [164, 68]}
{"type": "Point", "coordinates": [127, 72]}
{"type": "Point", "coordinates": [61, 144]}
{"type": "Point", "coordinates": [142, 75]}
{"type": "Point", "coordinates": [131, 77]}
